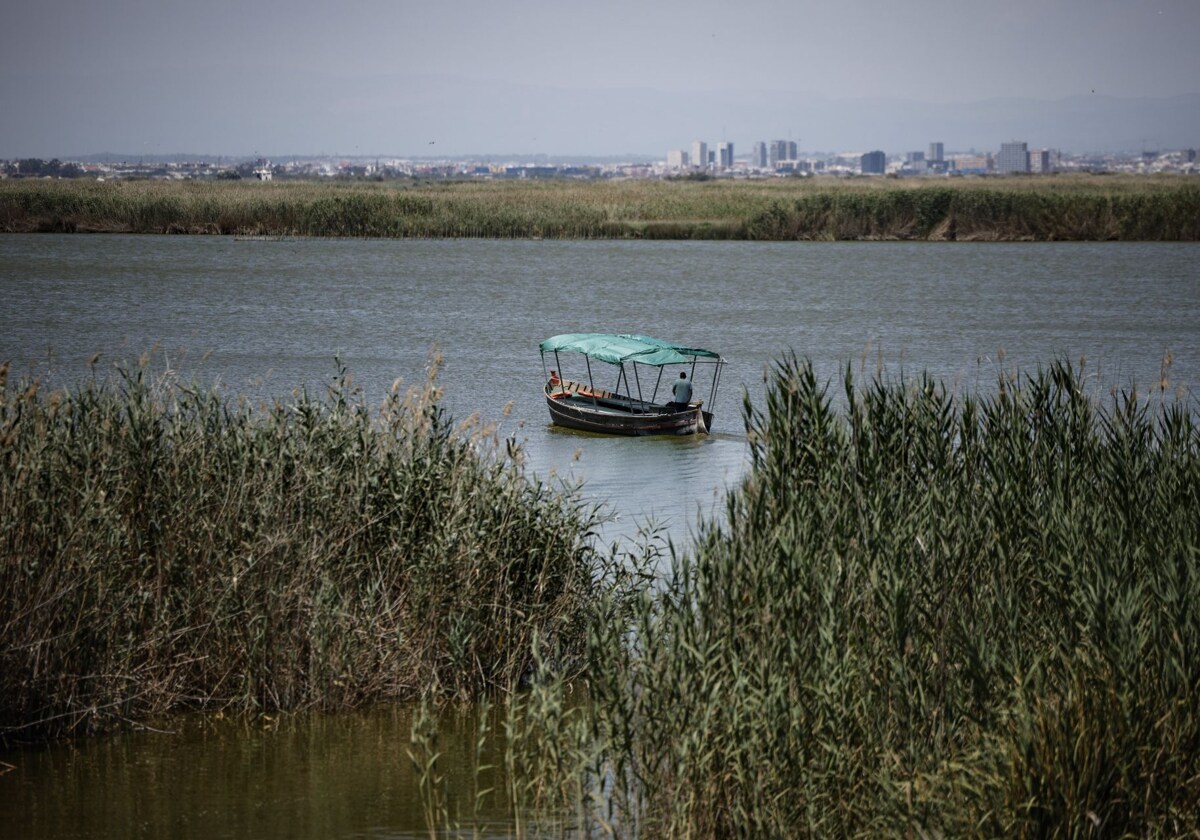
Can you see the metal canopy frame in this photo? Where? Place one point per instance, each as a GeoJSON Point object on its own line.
{"type": "Point", "coordinates": [717, 362]}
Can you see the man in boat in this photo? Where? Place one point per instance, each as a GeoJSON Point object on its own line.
{"type": "Point", "coordinates": [682, 389]}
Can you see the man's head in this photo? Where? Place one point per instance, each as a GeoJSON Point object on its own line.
{"type": "Point", "coordinates": [682, 374]}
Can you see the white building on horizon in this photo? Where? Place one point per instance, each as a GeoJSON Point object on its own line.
{"type": "Point", "coordinates": [700, 154]}
{"type": "Point", "coordinates": [677, 159]}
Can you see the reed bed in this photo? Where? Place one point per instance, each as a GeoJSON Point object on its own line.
{"type": "Point", "coordinates": [923, 614]}
{"type": "Point", "coordinates": [165, 548]}
{"type": "Point", "coordinates": [1066, 207]}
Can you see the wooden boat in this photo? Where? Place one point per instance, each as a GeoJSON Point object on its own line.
{"type": "Point", "coordinates": [631, 407]}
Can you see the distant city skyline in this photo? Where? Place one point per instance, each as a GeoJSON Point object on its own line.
{"type": "Point", "coordinates": [528, 76]}
{"type": "Point", "coordinates": [1078, 124]}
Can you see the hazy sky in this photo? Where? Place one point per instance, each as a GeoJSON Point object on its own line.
{"type": "Point", "coordinates": [400, 77]}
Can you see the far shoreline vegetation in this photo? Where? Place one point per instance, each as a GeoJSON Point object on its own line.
{"type": "Point", "coordinates": [1089, 208]}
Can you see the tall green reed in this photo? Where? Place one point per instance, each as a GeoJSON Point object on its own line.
{"type": "Point", "coordinates": [1051, 208]}
{"type": "Point", "coordinates": [924, 613]}
{"type": "Point", "coordinates": [163, 547]}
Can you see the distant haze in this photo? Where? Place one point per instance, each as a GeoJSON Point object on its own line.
{"type": "Point", "coordinates": [452, 78]}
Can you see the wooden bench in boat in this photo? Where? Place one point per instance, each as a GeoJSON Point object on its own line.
{"type": "Point", "coordinates": [566, 389]}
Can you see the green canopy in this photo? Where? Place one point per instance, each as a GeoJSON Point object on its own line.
{"type": "Point", "coordinates": [615, 349]}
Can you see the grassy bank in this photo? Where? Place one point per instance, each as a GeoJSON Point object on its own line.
{"type": "Point", "coordinates": [164, 548]}
{"type": "Point", "coordinates": [1077, 207]}
{"type": "Point", "coordinates": [927, 615]}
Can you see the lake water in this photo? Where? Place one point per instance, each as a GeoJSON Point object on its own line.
{"type": "Point", "coordinates": [264, 317]}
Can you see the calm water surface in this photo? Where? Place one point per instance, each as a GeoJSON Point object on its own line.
{"type": "Point", "coordinates": [310, 775]}
{"type": "Point", "coordinates": [266, 317]}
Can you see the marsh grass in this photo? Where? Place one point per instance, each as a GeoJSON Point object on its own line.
{"type": "Point", "coordinates": [924, 614]}
{"type": "Point", "coordinates": [165, 548]}
{"type": "Point", "coordinates": [1065, 207]}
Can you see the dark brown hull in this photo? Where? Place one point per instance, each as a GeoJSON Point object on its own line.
{"type": "Point", "coordinates": [609, 417]}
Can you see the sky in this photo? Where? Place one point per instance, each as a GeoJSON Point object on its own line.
{"type": "Point", "coordinates": [455, 77]}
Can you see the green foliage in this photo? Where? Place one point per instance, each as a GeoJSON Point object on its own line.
{"type": "Point", "coordinates": [164, 548]}
{"type": "Point", "coordinates": [1060, 208]}
{"type": "Point", "coordinates": [923, 615]}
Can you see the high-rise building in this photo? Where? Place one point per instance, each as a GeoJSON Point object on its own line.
{"type": "Point", "coordinates": [1013, 157]}
{"type": "Point", "coordinates": [937, 153]}
{"type": "Point", "coordinates": [782, 150]}
{"type": "Point", "coordinates": [725, 154]}
{"type": "Point", "coordinates": [1039, 161]}
{"type": "Point", "coordinates": [677, 159]}
{"type": "Point", "coordinates": [760, 158]}
{"type": "Point", "coordinates": [699, 154]}
{"type": "Point", "coordinates": [873, 163]}
{"type": "Point", "coordinates": [915, 163]}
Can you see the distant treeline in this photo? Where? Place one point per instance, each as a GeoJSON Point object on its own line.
{"type": "Point", "coordinates": [38, 168]}
{"type": "Point", "coordinates": [1068, 207]}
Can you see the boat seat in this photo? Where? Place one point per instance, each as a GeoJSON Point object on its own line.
{"type": "Point", "coordinates": [567, 387]}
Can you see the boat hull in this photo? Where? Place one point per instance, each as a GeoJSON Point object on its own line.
{"type": "Point", "coordinates": [581, 413]}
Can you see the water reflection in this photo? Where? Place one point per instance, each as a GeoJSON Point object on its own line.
{"type": "Point", "coordinates": [646, 482]}
{"type": "Point", "coordinates": [309, 775]}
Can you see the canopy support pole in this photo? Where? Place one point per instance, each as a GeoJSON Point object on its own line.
{"type": "Point", "coordinates": [591, 383]}
{"type": "Point", "coordinates": [712, 397]}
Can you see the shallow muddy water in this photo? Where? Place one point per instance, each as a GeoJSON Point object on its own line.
{"type": "Point", "coordinates": [308, 775]}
